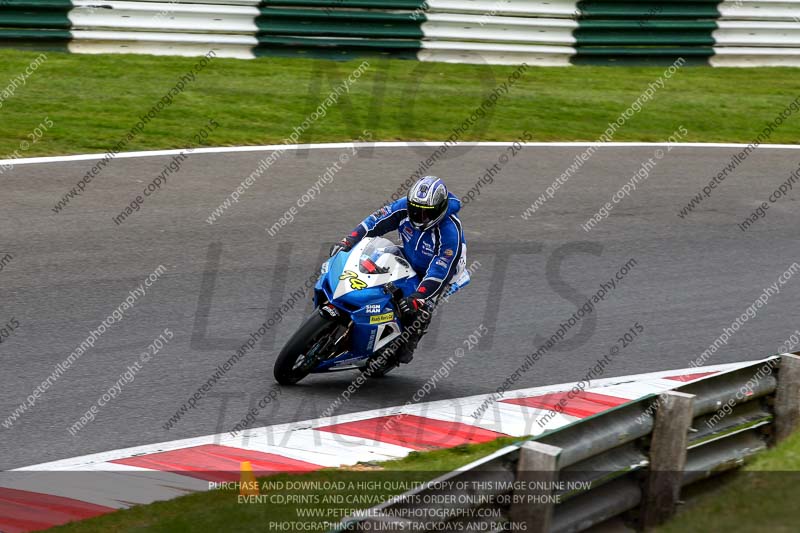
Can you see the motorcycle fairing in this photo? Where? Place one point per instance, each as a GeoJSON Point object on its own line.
{"type": "Point", "coordinates": [354, 283]}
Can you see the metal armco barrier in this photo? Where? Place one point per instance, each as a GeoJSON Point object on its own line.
{"type": "Point", "coordinates": [546, 32]}
{"type": "Point", "coordinates": [633, 460]}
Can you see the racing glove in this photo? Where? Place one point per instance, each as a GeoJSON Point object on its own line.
{"type": "Point", "coordinates": [410, 305]}
{"type": "Point", "coordinates": [342, 246]}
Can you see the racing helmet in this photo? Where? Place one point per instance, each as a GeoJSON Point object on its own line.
{"type": "Point", "coordinates": [427, 202]}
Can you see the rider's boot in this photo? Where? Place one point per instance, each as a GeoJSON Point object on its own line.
{"type": "Point", "coordinates": [421, 320]}
{"type": "Point", "coordinates": [406, 352]}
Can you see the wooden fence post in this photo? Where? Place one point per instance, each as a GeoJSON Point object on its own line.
{"type": "Point", "coordinates": [533, 504]}
{"type": "Point", "coordinates": [667, 457]}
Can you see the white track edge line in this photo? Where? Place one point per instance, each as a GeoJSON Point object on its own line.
{"type": "Point", "coordinates": [387, 144]}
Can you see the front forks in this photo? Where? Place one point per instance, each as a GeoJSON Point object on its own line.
{"type": "Point", "coordinates": [334, 347]}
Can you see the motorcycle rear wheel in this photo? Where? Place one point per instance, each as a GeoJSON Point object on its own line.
{"type": "Point", "coordinates": [291, 365]}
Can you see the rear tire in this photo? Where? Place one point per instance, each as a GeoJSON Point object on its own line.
{"type": "Point", "coordinates": [291, 367]}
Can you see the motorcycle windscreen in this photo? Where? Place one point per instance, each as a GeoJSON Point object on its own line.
{"type": "Point", "coordinates": [371, 264]}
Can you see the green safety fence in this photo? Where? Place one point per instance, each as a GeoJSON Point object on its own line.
{"type": "Point", "coordinates": [598, 31]}
{"type": "Point", "coordinates": [624, 32]}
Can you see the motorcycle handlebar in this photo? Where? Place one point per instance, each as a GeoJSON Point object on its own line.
{"type": "Point", "coordinates": [394, 291]}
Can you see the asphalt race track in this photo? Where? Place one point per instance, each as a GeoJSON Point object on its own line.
{"type": "Point", "coordinates": [692, 277]}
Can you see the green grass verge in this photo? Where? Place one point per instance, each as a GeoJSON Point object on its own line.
{"type": "Point", "coordinates": [757, 499]}
{"type": "Point", "coordinates": [220, 510]}
{"type": "Point", "coordinates": [94, 100]}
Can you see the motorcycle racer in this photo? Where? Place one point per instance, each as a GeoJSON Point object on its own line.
{"type": "Point", "coordinates": [433, 243]}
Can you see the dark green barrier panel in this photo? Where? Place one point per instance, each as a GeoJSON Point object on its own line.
{"type": "Point", "coordinates": [333, 48]}
{"type": "Point", "coordinates": [42, 19]}
{"type": "Point", "coordinates": [646, 33]}
{"type": "Point", "coordinates": [335, 54]}
{"type": "Point", "coordinates": [647, 39]}
{"type": "Point", "coordinates": [46, 40]}
{"type": "Point", "coordinates": [362, 4]}
{"type": "Point", "coordinates": [343, 15]}
{"type": "Point", "coordinates": [675, 25]}
{"type": "Point", "coordinates": [64, 5]}
{"type": "Point", "coordinates": [648, 10]}
{"type": "Point", "coordinates": [385, 44]}
{"type": "Point", "coordinates": [310, 22]}
{"type": "Point", "coordinates": [657, 56]}
{"type": "Point", "coordinates": [354, 29]}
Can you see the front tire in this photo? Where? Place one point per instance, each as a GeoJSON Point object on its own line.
{"type": "Point", "coordinates": [292, 364]}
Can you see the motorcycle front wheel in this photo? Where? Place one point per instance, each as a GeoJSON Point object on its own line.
{"type": "Point", "coordinates": [300, 354]}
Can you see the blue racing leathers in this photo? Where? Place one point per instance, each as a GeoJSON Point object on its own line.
{"type": "Point", "coordinates": [434, 253]}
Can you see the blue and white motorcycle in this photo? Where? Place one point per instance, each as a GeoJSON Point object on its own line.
{"type": "Point", "coordinates": [356, 316]}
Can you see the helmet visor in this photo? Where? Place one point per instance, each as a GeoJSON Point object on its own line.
{"type": "Point", "coordinates": [421, 216]}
